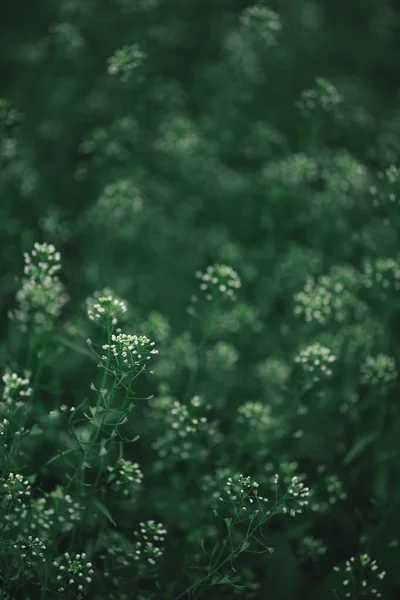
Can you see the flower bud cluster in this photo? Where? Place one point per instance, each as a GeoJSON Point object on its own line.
{"type": "Point", "coordinates": [257, 427]}
{"type": "Point", "coordinates": [181, 356]}
{"type": "Point", "coordinates": [67, 38]}
{"type": "Point", "coordinates": [382, 276]}
{"type": "Point", "coordinates": [387, 190]}
{"type": "Point", "coordinates": [105, 308]}
{"type": "Point", "coordinates": [124, 477]}
{"type": "Point", "coordinates": [218, 281]}
{"type": "Point", "coordinates": [182, 428]}
{"type": "Point", "coordinates": [222, 357]}
{"type": "Point", "coordinates": [112, 143]}
{"type": "Point", "coordinates": [378, 370]}
{"type": "Point", "coordinates": [31, 550]}
{"type": "Point", "coordinates": [127, 353]}
{"type": "Point", "coordinates": [54, 225]}
{"type": "Point", "coordinates": [64, 508]}
{"type": "Point", "coordinates": [14, 489]}
{"type": "Point", "coordinates": [360, 578]}
{"type": "Point", "coordinates": [295, 498]}
{"type": "Point", "coordinates": [311, 548]}
{"type": "Point", "coordinates": [178, 138]}
{"type": "Point", "coordinates": [119, 200]}
{"type": "Point", "coordinates": [212, 485]}
{"type": "Point", "coordinates": [255, 415]}
{"type": "Point", "coordinates": [125, 61]}
{"type": "Point", "coordinates": [54, 513]}
{"type": "Point", "coordinates": [117, 552]}
{"type": "Point", "coordinates": [329, 492]}
{"type": "Point", "coordinates": [73, 573]}
{"type": "Point", "coordinates": [9, 430]}
{"type": "Point", "coordinates": [16, 388]}
{"type": "Point", "coordinates": [149, 544]}
{"type": "Point", "coordinates": [273, 372]}
{"type": "Point", "coordinates": [323, 97]}
{"type": "Point", "coordinates": [241, 492]}
{"type": "Point", "coordinates": [262, 22]}
{"type": "Point", "coordinates": [316, 361]}
{"type": "Point", "coordinates": [344, 175]}
{"type": "Point", "coordinates": [329, 298]}
{"type": "Point", "coordinates": [286, 468]}
{"type": "Point", "coordinates": [42, 263]}
{"type": "Point", "coordinates": [292, 171]}
{"type": "Point", "coordinates": [41, 296]}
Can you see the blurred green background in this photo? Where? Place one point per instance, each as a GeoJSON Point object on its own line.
{"type": "Point", "coordinates": [213, 157]}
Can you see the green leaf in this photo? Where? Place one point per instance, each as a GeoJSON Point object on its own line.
{"type": "Point", "coordinates": [359, 447]}
{"type": "Point", "coordinates": [228, 522]}
{"type": "Point", "coordinates": [104, 510]}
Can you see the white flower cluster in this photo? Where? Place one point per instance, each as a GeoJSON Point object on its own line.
{"type": "Point", "coordinates": [286, 468]}
{"type": "Point", "coordinates": [68, 38]}
{"type": "Point", "coordinates": [329, 492]}
{"type": "Point", "coordinates": [42, 263]}
{"type": "Point", "coordinates": [344, 175]}
{"type": "Point", "coordinates": [334, 487]}
{"type": "Point", "coordinates": [125, 61]}
{"type": "Point", "coordinates": [382, 275]}
{"type": "Point", "coordinates": [388, 187]}
{"type": "Point", "coordinates": [323, 96]}
{"type": "Point", "coordinates": [222, 357]}
{"type": "Point", "coordinates": [109, 143]}
{"type": "Point", "coordinates": [212, 485]}
{"type": "Point", "coordinates": [105, 308]}
{"type": "Point", "coordinates": [14, 490]}
{"type": "Point", "coordinates": [73, 573]}
{"type": "Point", "coordinates": [117, 552]}
{"type": "Point", "coordinates": [127, 353]}
{"type": "Point", "coordinates": [149, 544]}
{"type": "Point", "coordinates": [242, 492]}
{"type": "Point", "coordinates": [311, 548]}
{"type": "Point", "coordinates": [378, 370]}
{"type": "Point", "coordinates": [182, 426]}
{"type": "Point", "coordinates": [315, 361]}
{"type": "Point", "coordinates": [48, 515]}
{"type": "Point", "coordinates": [119, 201]}
{"type": "Point", "coordinates": [31, 550]}
{"type": "Point", "coordinates": [295, 498]}
{"type": "Point", "coordinates": [64, 509]}
{"type": "Point", "coordinates": [329, 298]}
{"type": "Point", "coordinates": [218, 281]}
{"type": "Point", "coordinates": [292, 171]}
{"type": "Point", "coordinates": [16, 388]}
{"type": "Point", "coordinates": [124, 477]}
{"type": "Point", "coordinates": [361, 577]}
{"type": "Point", "coordinates": [256, 416]}
{"type": "Point", "coordinates": [178, 137]}
{"type": "Point", "coordinates": [273, 372]}
{"type": "Point", "coordinates": [15, 494]}
{"type": "Point", "coordinates": [262, 22]}
{"type": "Point", "coordinates": [42, 295]}
{"type": "Point", "coordinates": [4, 431]}
{"type": "Point", "coordinates": [8, 432]}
